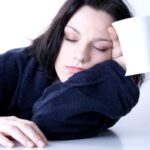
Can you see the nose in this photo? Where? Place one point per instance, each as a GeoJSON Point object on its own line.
{"type": "Point", "coordinates": [82, 54]}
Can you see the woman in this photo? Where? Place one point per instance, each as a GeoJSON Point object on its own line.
{"type": "Point", "coordinates": [70, 82]}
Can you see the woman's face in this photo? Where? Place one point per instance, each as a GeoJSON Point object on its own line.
{"type": "Point", "coordinates": [86, 42]}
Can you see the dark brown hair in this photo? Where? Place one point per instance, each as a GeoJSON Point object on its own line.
{"type": "Point", "coordinates": [46, 46]}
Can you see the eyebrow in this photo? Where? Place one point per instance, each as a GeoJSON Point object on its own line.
{"type": "Point", "coordinates": [73, 29]}
{"type": "Point", "coordinates": [95, 40]}
{"type": "Point", "coordinates": [102, 39]}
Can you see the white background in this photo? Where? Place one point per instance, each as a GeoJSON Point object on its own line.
{"type": "Point", "coordinates": [23, 20]}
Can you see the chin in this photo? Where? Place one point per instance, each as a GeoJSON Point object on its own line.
{"type": "Point", "coordinates": [63, 79]}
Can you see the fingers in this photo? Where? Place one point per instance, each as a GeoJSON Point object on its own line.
{"type": "Point", "coordinates": [31, 130]}
{"type": "Point", "coordinates": [114, 37]}
{"type": "Point", "coordinates": [18, 135]}
{"type": "Point", "coordinates": [25, 132]}
{"type": "Point", "coordinates": [116, 51]}
{"type": "Point", "coordinates": [116, 45]}
{"type": "Point", "coordinates": [5, 141]}
{"type": "Point", "coordinates": [120, 60]}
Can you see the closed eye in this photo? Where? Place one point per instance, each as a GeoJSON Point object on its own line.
{"type": "Point", "coordinates": [100, 49]}
{"type": "Point", "coordinates": [69, 39]}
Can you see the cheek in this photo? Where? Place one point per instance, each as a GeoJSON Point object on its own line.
{"type": "Point", "coordinates": [62, 53]}
{"type": "Point", "coordinates": [101, 57]}
{"type": "Point", "coordinates": [63, 56]}
{"type": "Point", "coordinates": [66, 52]}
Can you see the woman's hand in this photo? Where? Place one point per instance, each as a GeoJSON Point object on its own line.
{"type": "Point", "coordinates": [25, 132]}
{"type": "Point", "coordinates": [116, 51]}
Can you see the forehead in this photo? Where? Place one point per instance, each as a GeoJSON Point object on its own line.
{"type": "Point", "coordinates": [88, 17]}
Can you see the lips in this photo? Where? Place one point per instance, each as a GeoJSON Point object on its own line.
{"type": "Point", "coordinates": [74, 69]}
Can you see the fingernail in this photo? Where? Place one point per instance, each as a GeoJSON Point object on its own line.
{"type": "Point", "coordinates": [10, 144]}
{"type": "Point", "coordinates": [30, 144]}
{"type": "Point", "coordinates": [41, 143]}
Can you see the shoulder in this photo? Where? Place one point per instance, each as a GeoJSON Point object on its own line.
{"type": "Point", "coordinates": [15, 54]}
{"type": "Point", "coordinates": [16, 58]}
{"type": "Point", "coordinates": [14, 62]}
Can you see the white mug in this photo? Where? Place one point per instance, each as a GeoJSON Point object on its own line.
{"type": "Point", "coordinates": [134, 37]}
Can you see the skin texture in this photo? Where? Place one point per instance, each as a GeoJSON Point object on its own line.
{"type": "Point", "coordinates": [89, 39]}
{"type": "Point", "coordinates": [24, 131]}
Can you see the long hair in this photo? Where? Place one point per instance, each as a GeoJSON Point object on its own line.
{"type": "Point", "coordinates": [46, 47]}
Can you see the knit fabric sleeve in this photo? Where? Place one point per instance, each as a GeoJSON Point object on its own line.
{"type": "Point", "coordinates": [11, 67]}
{"type": "Point", "coordinates": [87, 103]}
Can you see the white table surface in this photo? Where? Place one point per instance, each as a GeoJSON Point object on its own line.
{"type": "Point", "coordinates": [122, 139]}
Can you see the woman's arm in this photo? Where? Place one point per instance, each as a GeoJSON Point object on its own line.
{"type": "Point", "coordinates": [12, 64]}
{"type": "Point", "coordinates": [87, 103]}
{"type": "Point", "coordinates": [8, 80]}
